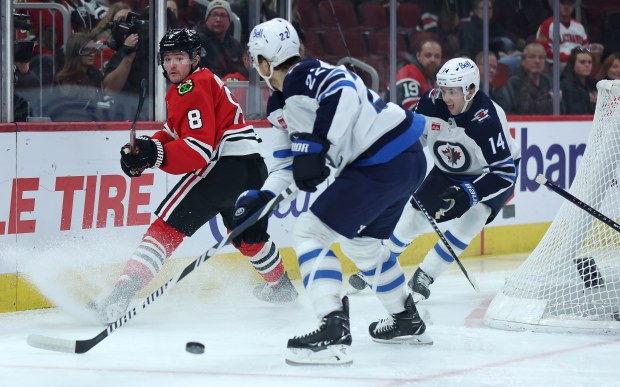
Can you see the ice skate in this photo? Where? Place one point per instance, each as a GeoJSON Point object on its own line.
{"type": "Point", "coordinates": [357, 283]}
{"type": "Point", "coordinates": [327, 345]}
{"type": "Point", "coordinates": [419, 285]}
{"type": "Point", "coordinates": [401, 328]}
{"type": "Point", "coordinates": [282, 291]}
{"type": "Point", "coordinates": [115, 304]}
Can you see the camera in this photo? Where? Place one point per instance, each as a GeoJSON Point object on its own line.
{"type": "Point", "coordinates": [21, 21]}
{"type": "Point", "coordinates": [121, 29]}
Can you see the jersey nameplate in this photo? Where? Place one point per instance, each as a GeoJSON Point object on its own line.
{"type": "Point", "coordinates": [185, 87]}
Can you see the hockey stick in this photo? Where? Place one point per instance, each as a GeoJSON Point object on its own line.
{"type": "Point", "coordinates": [132, 131]}
{"type": "Point", "coordinates": [82, 346]}
{"type": "Point", "coordinates": [540, 179]}
{"type": "Point", "coordinates": [471, 279]}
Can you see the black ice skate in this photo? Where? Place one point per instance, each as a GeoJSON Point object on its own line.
{"type": "Point", "coordinates": [282, 291]}
{"type": "Point", "coordinates": [357, 283]}
{"type": "Point", "coordinates": [419, 284]}
{"type": "Point", "coordinates": [405, 327]}
{"type": "Point", "coordinates": [327, 345]}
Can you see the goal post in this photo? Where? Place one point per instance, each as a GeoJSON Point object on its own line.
{"type": "Point", "coordinates": [571, 281]}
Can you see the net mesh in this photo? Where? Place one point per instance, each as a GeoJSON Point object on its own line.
{"type": "Point", "coordinates": [571, 281]}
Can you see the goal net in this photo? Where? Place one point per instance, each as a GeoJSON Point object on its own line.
{"type": "Point", "coordinates": [571, 281]}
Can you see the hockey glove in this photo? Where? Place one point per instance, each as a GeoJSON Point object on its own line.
{"type": "Point", "coordinates": [309, 160]}
{"type": "Point", "coordinates": [458, 199]}
{"type": "Point", "coordinates": [247, 204]}
{"type": "Point", "coordinates": [148, 153]}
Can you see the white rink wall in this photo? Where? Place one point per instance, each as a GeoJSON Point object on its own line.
{"type": "Point", "coordinates": [63, 189]}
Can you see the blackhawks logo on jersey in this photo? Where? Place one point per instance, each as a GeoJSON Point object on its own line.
{"type": "Point", "coordinates": [185, 87]}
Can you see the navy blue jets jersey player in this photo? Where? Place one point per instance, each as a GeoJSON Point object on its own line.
{"type": "Point", "coordinates": [476, 165]}
{"type": "Point", "coordinates": [331, 118]}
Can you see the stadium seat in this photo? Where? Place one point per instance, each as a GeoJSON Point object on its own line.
{"type": "Point", "coordinates": [353, 45]}
{"type": "Point", "coordinates": [342, 14]}
{"type": "Point", "coordinates": [313, 45]}
{"type": "Point", "coordinates": [380, 43]}
{"type": "Point", "coordinates": [373, 15]}
{"type": "Point", "coordinates": [408, 16]}
{"type": "Point", "coordinates": [309, 16]}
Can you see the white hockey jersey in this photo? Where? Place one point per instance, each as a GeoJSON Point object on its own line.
{"type": "Point", "coordinates": [475, 146]}
{"type": "Point", "coordinates": [334, 103]}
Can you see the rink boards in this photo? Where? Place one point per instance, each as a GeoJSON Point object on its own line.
{"type": "Point", "coordinates": [61, 188]}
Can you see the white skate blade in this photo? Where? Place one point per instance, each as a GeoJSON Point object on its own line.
{"type": "Point", "coordinates": [417, 297]}
{"type": "Point", "coordinates": [423, 339]}
{"type": "Point", "coordinates": [331, 355]}
{"type": "Point", "coordinates": [351, 291]}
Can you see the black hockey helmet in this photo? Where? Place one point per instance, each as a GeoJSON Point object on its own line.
{"type": "Point", "coordinates": [179, 39]}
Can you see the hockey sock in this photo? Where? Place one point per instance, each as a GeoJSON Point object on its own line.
{"type": "Point", "coordinates": [387, 280]}
{"type": "Point", "coordinates": [460, 234]}
{"type": "Point", "coordinates": [412, 223]}
{"type": "Point", "coordinates": [157, 245]}
{"type": "Point", "coordinates": [266, 259]}
{"type": "Point", "coordinates": [322, 276]}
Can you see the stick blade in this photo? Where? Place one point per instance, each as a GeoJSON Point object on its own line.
{"type": "Point", "coordinates": [51, 343]}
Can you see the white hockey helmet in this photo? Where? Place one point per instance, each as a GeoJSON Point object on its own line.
{"type": "Point", "coordinates": [275, 40]}
{"type": "Point", "coordinates": [460, 72]}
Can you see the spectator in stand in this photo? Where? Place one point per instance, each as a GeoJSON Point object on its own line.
{"type": "Point", "coordinates": [529, 90]}
{"type": "Point", "coordinates": [224, 54]}
{"type": "Point", "coordinates": [417, 77]}
{"type": "Point", "coordinates": [470, 34]}
{"type": "Point", "coordinates": [102, 32]}
{"type": "Point", "coordinates": [173, 6]}
{"type": "Point", "coordinates": [610, 68]}
{"type": "Point", "coordinates": [26, 83]}
{"type": "Point", "coordinates": [578, 85]}
{"type": "Point", "coordinates": [572, 33]}
{"type": "Point", "coordinates": [479, 59]}
{"type": "Point", "coordinates": [79, 81]}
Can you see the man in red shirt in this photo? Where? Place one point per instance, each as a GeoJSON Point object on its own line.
{"type": "Point", "coordinates": [205, 138]}
{"type": "Point", "coordinates": [416, 78]}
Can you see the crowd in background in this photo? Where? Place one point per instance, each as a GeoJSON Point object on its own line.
{"type": "Point", "coordinates": [96, 74]}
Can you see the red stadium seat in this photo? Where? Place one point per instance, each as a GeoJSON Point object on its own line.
{"type": "Point", "coordinates": [353, 44]}
{"type": "Point", "coordinates": [373, 15]}
{"type": "Point", "coordinates": [408, 16]}
{"type": "Point", "coordinates": [342, 14]}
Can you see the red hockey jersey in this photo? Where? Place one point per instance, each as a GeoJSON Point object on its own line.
{"type": "Point", "coordinates": [204, 123]}
{"type": "Point", "coordinates": [411, 84]}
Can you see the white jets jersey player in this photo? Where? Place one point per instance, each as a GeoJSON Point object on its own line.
{"type": "Point", "coordinates": [474, 146]}
{"type": "Point", "coordinates": [307, 88]}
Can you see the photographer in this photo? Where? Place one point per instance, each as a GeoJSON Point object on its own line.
{"type": "Point", "coordinates": [130, 63]}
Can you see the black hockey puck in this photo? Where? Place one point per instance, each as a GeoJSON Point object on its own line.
{"type": "Point", "coordinates": [195, 347]}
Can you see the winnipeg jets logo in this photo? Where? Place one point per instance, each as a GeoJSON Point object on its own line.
{"type": "Point", "coordinates": [481, 115]}
{"type": "Point", "coordinates": [451, 155]}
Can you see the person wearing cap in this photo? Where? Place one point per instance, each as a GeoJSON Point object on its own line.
{"type": "Point", "coordinates": [223, 53]}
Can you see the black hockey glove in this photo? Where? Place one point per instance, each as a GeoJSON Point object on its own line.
{"type": "Point", "coordinates": [309, 160]}
{"type": "Point", "coordinates": [247, 204]}
{"type": "Point", "coordinates": [458, 199]}
{"type": "Point", "coordinates": [148, 153]}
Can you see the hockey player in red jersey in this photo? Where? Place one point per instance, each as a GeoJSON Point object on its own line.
{"type": "Point", "coordinates": [207, 139]}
